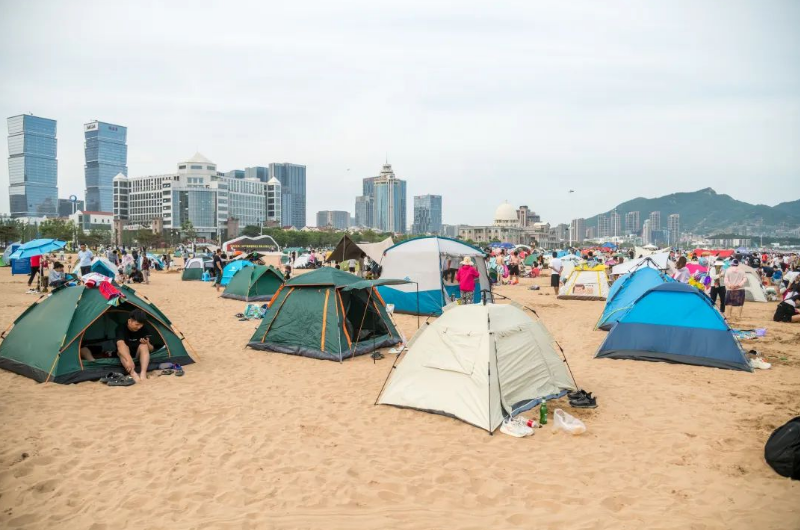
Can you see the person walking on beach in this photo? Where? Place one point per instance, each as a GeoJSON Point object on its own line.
{"type": "Point", "coordinates": [85, 259]}
{"type": "Point", "coordinates": [513, 268]}
{"type": "Point", "coordinates": [466, 276]}
{"type": "Point", "coordinates": [145, 267]}
{"type": "Point", "coordinates": [735, 280]}
{"type": "Point", "coordinates": [217, 268]}
{"type": "Point", "coordinates": [555, 272]}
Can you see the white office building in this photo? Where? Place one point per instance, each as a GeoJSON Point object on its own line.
{"type": "Point", "coordinates": [195, 193]}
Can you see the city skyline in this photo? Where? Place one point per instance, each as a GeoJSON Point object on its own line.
{"type": "Point", "coordinates": [651, 112]}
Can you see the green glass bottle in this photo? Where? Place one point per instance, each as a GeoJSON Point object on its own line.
{"type": "Point", "coordinates": [543, 412]}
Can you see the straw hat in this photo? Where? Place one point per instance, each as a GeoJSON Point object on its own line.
{"type": "Point", "coordinates": [466, 261]}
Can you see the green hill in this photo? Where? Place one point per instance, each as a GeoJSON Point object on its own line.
{"type": "Point", "coordinates": [705, 211]}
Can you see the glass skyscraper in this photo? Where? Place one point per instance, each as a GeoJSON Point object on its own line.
{"type": "Point", "coordinates": [427, 214]}
{"type": "Point", "coordinates": [390, 202]}
{"type": "Point", "coordinates": [32, 166]}
{"type": "Point", "coordinates": [106, 157]}
{"type": "Point", "coordinates": [293, 192]}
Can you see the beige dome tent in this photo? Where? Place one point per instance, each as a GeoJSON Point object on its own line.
{"type": "Point", "coordinates": [585, 283]}
{"type": "Point", "coordinates": [753, 289]}
{"type": "Point", "coordinates": [478, 363]}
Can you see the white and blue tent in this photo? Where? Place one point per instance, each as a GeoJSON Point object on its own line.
{"type": "Point", "coordinates": [431, 263]}
{"type": "Point", "coordinates": [676, 323]}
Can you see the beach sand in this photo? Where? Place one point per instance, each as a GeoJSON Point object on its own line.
{"type": "Point", "coordinates": [251, 439]}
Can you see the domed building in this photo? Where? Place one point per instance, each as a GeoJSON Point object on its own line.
{"type": "Point", "coordinates": [506, 215]}
{"type": "Point", "coordinates": [511, 225]}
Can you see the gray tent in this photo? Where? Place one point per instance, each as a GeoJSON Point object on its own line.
{"type": "Point", "coordinates": [478, 363]}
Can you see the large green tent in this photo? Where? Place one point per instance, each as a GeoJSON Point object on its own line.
{"type": "Point", "coordinates": [254, 284]}
{"type": "Point", "coordinates": [45, 340]}
{"type": "Point", "coordinates": [327, 314]}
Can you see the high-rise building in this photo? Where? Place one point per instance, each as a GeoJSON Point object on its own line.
{"type": "Point", "coordinates": [577, 230]}
{"type": "Point", "coordinates": [632, 223]}
{"type": "Point", "coordinates": [274, 201]}
{"type": "Point", "coordinates": [258, 172]}
{"type": "Point", "coordinates": [427, 214]}
{"type": "Point", "coordinates": [647, 233]}
{"type": "Point", "coordinates": [615, 221]}
{"type": "Point", "coordinates": [336, 219]}
{"type": "Point", "coordinates": [674, 229]}
{"type": "Point", "coordinates": [368, 186]}
{"type": "Point", "coordinates": [194, 194]}
{"type": "Point", "coordinates": [603, 226]}
{"type": "Point", "coordinates": [234, 174]}
{"type": "Point", "coordinates": [390, 202]}
{"type": "Point", "coordinates": [66, 207]}
{"type": "Point", "coordinates": [293, 192]}
{"type": "Point", "coordinates": [655, 221]}
{"type": "Point", "coordinates": [32, 166]}
{"type": "Point", "coordinates": [591, 232]}
{"type": "Point", "coordinates": [365, 211]}
{"type": "Point", "coordinates": [106, 154]}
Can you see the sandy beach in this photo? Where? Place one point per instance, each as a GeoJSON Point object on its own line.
{"type": "Point", "coordinates": [252, 439]}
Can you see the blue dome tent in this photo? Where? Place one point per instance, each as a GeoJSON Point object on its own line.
{"type": "Point", "coordinates": [626, 290]}
{"type": "Point", "coordinates": [232, 268]}
{"type": "Point", "coordinates": [676, 323]}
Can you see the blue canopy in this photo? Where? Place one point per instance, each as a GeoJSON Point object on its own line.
{"type": "Point", "coordinates": [37, 247]}
{"type": "Point", "coordinates": [626, 290]}
{"type": "Point", "coordinates": [232, 268]}
{"type": "Point", "coordinates": [507, 246]}
{"type": "Point", "coordinates": [675, 322]}
{"type": "Point", "coordinates": [609, 244]}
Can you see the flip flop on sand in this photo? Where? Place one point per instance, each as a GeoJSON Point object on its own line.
{"type": "Point", "coordinates": [111, 376]}
{"type": "Point", "coordinates": [168, 371]}
{"type": "Point", "coordinates": [123, 381]}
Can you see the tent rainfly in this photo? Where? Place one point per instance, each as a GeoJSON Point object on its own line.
{"type": "Point", "coordinates": [585, 283]}
{"type": "Point", "coordinates": [347, 249]}
{"type": "Point", "coordinates": [254, 284]}
{"type": "Point", "coordinates": [626, 290]}
{"type": "Point", "coordinates": [753, 290]}
{"type": "Point", "coordinates": [46, 339]}
{"type": "Point", "coordinates": [326, 314]}
{"type": "Point", "coordinates": [479, 363]}
{"type": "Point", "coordinates": [100, 265]}
{"type": "Point", "coordinates": [232, 268]}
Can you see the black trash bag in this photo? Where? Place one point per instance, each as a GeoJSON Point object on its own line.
{"type": "Point", "coordinates": [782, 451]}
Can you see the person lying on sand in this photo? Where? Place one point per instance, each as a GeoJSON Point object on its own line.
{"type": "Point", "coordinates": [132, 337]}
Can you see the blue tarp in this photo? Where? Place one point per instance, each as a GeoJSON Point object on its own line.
{"type": "Point", "coordinates": [625, 291]}
{"type": "Point", "coordinates": [674, 322]}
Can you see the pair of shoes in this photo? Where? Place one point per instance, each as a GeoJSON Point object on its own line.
{"type": "Point", "coordinates": [577, 394]}
{"type": "Point", "coordinates": [587, 401]}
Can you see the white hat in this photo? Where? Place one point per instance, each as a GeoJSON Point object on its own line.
{"type": "Point", "coordinates": [466, 261]}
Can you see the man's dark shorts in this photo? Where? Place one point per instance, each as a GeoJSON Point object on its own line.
{"type": "Point", "coordinates": [555, 280]}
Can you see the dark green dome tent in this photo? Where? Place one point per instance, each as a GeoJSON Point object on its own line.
{"type": "Point", "coordinates": [254, 284]}
{"type": "Point", "coordinates": [327, 314]}
{"type": "Point", "coordinates": [46, 339]}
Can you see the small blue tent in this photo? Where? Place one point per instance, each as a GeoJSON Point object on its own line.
{"type": "Point", "coordinates": [676, 323]}
{"type": "Point", "coordinates": [626, 290]}
{"type": "Point", "coordinates": [232, 268]}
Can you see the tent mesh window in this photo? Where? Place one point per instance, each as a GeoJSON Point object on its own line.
{"type": "Point", "coordinates": [361, 314]}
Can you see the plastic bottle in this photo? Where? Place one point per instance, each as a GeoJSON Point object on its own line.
{"type": "Point", "coordinates": [543, 412]}
{"type": "Point", "coordinates": [532, 423]}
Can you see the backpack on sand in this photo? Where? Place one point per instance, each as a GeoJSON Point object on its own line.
{"type": "Point", "coordinates": [782, 451]}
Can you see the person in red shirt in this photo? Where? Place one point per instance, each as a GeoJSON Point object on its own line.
{"type": "Point", "coordinates": [36, 261]}
{"type": "Point", "coordinates": [466, 277]}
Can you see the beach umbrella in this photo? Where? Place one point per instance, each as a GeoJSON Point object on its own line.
{"type": "Point", "coordinates": [37, 247]}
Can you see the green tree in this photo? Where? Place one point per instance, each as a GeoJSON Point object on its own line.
{"type": "Point", "coordinates": [57, 229]}
{"type": "Point", "coordinates": [146, 238]}
{"type": "Point", "coordinates": [188, 230]}
{"type": "Point", "coordinates": [9, 232]}
{"type": "Point", "coordinates": [251, 231]}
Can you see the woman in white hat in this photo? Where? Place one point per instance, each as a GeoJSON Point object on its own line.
{"type": "Point", "coordinates": [466, 276]}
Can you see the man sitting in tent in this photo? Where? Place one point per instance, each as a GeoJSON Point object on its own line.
{"type": "Point", "coordinates": [132, 337]}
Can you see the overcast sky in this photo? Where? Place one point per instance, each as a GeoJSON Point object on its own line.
{"type": "Point", "coordinates": [476, 101]}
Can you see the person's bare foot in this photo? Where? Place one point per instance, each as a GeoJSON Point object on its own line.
{"type": "Point", "coordinates": [143, 377]}
{"type": "Point", "coordinates": [135, 377]}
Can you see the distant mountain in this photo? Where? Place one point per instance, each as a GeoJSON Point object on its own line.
{"type": "Point", "coordinates": [705, 211]}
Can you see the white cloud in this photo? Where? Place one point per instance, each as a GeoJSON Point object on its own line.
{"type": "Point", "coordinates": [479, 102]}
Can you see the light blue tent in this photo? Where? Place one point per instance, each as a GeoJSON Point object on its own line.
{"type": "Point", "coordinates": [676, 323]}
{"type": "Point", "coordinates": [626, 290]}
{"type": "Point", "coordinates": [232, 268]}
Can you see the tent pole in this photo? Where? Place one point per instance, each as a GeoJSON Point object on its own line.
{"type": "Point", "coordinates": [417, 284]}
{"type": "Point", "coordinates": [489, 380]}
{"type": "Point", "coordinates": [360, 326]}
{"type": "Point", "coordinates": [394, 365]}
{"type": "Point", "coordinates": [566, 362]}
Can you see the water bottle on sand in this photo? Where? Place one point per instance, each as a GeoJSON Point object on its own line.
{"type": "Point", "coordinates": [543, 412]}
